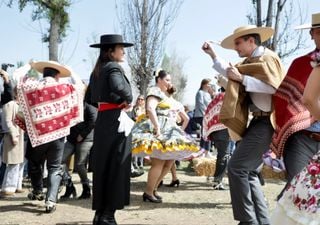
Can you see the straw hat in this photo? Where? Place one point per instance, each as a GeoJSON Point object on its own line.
{"type": "Point", "coordinates": [315, 22]}
{"type": "Point", "coordinates": [63, 70]}
{"type": "Point", "coordinates": [111, 39]}
{"type": "Point", "coordinates": [264, 32]}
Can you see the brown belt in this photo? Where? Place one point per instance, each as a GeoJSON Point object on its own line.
{"type": "Point", "coordinates": [313, 135]}
{"type": "Point", "coordinates": [261, 113]}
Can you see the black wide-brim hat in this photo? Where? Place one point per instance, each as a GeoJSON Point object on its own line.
{"type": "Point", "coordinates": [111, 39]}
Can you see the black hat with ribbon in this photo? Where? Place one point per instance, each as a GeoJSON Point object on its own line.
{"type": "Point", "coordinates": [111, 39]}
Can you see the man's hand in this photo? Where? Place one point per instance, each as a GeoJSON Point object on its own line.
{"type": "Point", "coordinates": [207, 48]}
{"type": "Point", "coordinates": [234, 74]}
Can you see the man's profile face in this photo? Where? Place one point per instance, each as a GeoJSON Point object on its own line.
{"type": "Point", "coordinates": [242, 46]}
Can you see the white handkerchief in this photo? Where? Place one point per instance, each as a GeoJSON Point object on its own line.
{"type": "Point", "coordinates": [126, 123]}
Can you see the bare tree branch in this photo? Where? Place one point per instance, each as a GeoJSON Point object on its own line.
{"type": "Point", "coordinates": [280, 15]}
{"type": "Point", "coordinates": [147, 23]}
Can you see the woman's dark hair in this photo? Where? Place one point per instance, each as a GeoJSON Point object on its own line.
{"type": "Point", "coordinates": [105, 56]}
{"type": "Point", "coordinates": [50, 72]}
{"type": "Point", "coordinates": [160, 74]}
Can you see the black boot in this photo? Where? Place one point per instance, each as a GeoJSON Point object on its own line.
{"type": "Point", "coordinates": [70, 190]}
{"type": "Point", "coordinates": [96, 219]}
{"type": "Point", "coordinates": [85, 191]}
{"type": "Point", "coordinates": [107, 218]}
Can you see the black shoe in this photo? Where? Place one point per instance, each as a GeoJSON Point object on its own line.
{"type": "Point", "coordinates": [155, 194]}
{"type": "Point", "coordinates": [86, 192]}
{"type": "Point", "coordinates": [96, 218]}
{"type": "Point", "coordinates": [136, 173]}
{"type": "Point", "coordinates": [150, 198]}
{"type": "Point", "coordinates": [70, 191]}
{"type": "Point", "coordinates": [219, 186]}
{"type": "Point", "coordinates": [247, 223]}
{"type": "Point", "coordinates": [174, 183]}
{"type": "Point", "coordinates": [36, 195]}
{"type": "Point", "coordinates": [107, 218]}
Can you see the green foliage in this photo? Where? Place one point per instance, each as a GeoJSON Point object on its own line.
{"type": "Point", "coordinates": [49, 10]}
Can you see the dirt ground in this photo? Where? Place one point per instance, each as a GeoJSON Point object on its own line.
{"type": "Point", "coordinates": [193, 203]}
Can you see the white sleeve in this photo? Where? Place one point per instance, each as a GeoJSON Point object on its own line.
{"type": "Point", "coordinates": [220, 65]}
{"type": "Point", "coordinates": [254, 85]}
{"type": "Point", "coordinates": [19, 74]}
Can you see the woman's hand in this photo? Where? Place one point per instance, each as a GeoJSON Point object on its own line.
{"type": "Point", "coordinates": [156, 131]}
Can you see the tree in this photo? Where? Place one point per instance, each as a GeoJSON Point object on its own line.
{"type": "Point", "coordinates": [146, 23]}
{"type": "Point", "coordinates": [55, 12]}
{"type": "Point", "coordinates": [174, 65]}
{"type": "Point", "coordinates": [279, 14]}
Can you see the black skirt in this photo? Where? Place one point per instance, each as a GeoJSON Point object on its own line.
{"type": "Point", "coordinates": [111, 163]}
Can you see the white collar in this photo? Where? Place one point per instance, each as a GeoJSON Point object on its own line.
{"type": "Point", "coordinates": [258, 51]}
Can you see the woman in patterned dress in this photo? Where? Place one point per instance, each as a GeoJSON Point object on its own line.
{"type": "Point", "coordinates": [158, 136]}
{"type": "Point", "coordinates": [300, 203]}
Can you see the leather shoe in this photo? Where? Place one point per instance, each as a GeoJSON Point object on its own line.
{"type": "Point", "coordinates": [107, 218]}
{"type": "Point", "coordinates": [247, 223]}
{"type": "Point", "coordinates": [150, 198]}
{"type": "Point", "coordinates": [136, 173]}
{"type": "Point", "coordinates": [96, 218]}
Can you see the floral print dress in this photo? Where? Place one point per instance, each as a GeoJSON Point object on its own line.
{"type": "Point", "coordinates": [172, 144]}
{"type": "Point", "coordinates": [300, 203]}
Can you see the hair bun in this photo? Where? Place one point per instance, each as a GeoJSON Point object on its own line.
{"type": "Point", "coordinates": [156, 73]}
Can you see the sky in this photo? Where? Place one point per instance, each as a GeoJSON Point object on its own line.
{"type": "Point", "coordinates": [197, 21]}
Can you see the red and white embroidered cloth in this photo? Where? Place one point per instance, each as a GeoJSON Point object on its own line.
{"type": "Point", "coordinates": [49, 109]}
{"type": "Point", "coordinates": [211, 120]}
{"type": "Point", "coordinates": [290, 113]}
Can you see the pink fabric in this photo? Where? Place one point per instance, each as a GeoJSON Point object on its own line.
{"type": "Point", "coordinates": [49, 109]}
{"type": "Point", "coordinates": [211, 120]}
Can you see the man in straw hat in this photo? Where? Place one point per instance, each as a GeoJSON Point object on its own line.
{"type": "Point", "coordinates": [250, 88]}
{"type": "Point", "coordinates": [297, 134]}
{"type": "Point", "coordinates": [50, 108]}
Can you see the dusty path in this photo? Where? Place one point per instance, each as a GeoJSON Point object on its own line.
{"type": "Point", "coordinates": [193, 203]}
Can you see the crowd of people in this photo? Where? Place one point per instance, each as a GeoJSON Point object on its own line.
{"type": "Point", "coordinates": [258, 107]}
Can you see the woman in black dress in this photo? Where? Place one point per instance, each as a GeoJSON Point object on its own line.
{"type": "Point", "coordinates": [111, 154]}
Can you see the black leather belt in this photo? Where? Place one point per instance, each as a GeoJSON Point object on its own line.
{"type": "Point", "coordinates": [311, 134]}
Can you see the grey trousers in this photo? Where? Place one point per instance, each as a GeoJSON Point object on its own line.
{"type": "Point", "coordinates": [247, 198]}
{"type": "Point", "coordinates": [52, 152]}
{"type": "Point", "coordinates": [81, 151]}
